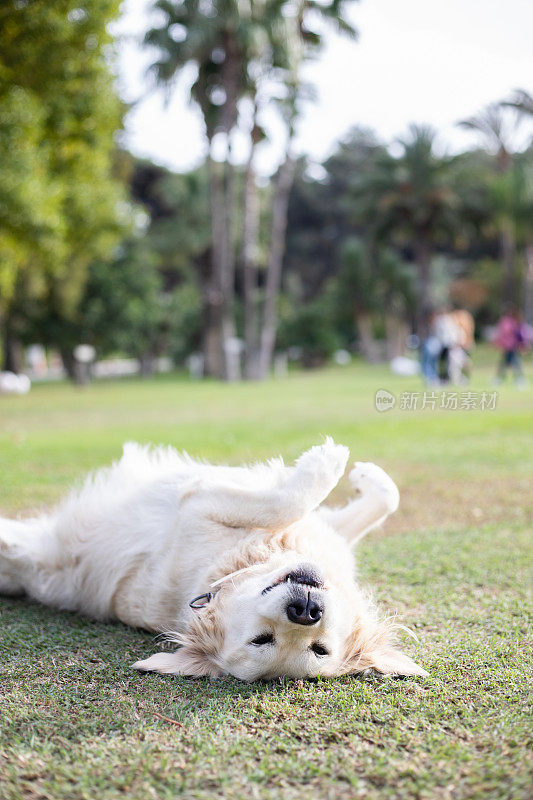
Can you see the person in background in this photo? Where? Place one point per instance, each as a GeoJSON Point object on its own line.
{"type": "Point", "coordinates": [513, 337]}
{"type": "Point", "coordinates": [430, 352]}
{"type": "Point", "coordinates": [445, 351]}
{"type": "Point", "coordinates": [447, 333]}
{"type": "Point", "coordinates": [459, 361]}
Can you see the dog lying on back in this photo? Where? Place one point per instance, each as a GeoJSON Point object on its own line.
{"type": "Point", "coordinates": [241, 566]}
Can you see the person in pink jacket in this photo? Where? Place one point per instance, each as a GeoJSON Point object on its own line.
{"type": "Point", "coordinates": [513, 337]}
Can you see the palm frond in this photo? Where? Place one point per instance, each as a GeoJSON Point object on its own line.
{"type": "Point", "coordinates": [520, 100]}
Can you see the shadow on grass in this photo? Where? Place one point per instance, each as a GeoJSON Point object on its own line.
{"type": "Point", "coordinates": [66, 678]}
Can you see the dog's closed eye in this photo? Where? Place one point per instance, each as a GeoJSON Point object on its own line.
{"type": "Point", "coordinates": [319, 650]}
{"type": "Point", "coordinates": [264, 638]}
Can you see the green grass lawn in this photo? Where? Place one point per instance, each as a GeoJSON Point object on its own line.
{"type": "Point", "coordinates": [76, 722]}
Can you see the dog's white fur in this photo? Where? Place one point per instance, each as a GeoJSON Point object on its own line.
{"type": "Point", "coordinates": [139, 540]}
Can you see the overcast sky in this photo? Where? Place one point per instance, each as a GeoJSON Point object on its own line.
{"type": "Point", "coordinates": [430, 61]}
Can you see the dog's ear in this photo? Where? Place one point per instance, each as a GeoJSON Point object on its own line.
{"type": "Point", "coordinates": [197, 657]}
{"type": "Point", "coordinates": [369, 647]}
{"type": "Point", "coordinates": [390, 661]}
{"type": "Point", "coordinates": [185, 661]}
{"type": "Point", "coordinates": [387, 660]}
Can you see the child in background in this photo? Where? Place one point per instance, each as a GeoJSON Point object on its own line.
{"type": "Point", "coordinates": [513, 337]}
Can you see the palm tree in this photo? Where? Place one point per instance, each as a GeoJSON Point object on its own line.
{"type": "Point", "coordinates": [300, 42]}
{"type": "Point", "coordinates": [522, 101]}
{"type": "Point", "coordinates": [272, 55]}
{"type": "Point", "coordinates": [359, 291]}
{"type": "Point", "coordinates": [411, 201]}
{"type": "Point", "coordinates": [510, 200]}
{"type": "Point", "coordinates": [497, 128]}
{"type": "Point", "coordinates": [214, 39]}
{"type": "Point", "coordinates": [239, 48]}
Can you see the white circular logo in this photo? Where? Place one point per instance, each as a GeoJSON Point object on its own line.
{"type": "Point", "coordinates": [384, 400]}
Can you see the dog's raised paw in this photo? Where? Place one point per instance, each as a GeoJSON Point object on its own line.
{"type": "Point", "coordinates": [328, 459]}
{"type": "Point", "coordinates": [368, 477]}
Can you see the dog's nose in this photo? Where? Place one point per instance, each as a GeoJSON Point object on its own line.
{"type": "Point", "coordinates": [306, 609]}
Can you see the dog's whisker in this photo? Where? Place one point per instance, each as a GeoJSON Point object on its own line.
{"type": "Point", "coordinates": [232, 575]}
{"type": "Point", "coordinates": [407, 630]}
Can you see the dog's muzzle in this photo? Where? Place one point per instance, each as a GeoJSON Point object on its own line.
{"type": "Point", "coordinates": [305, 606]}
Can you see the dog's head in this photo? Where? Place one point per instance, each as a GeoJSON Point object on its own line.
{"type": "Point", "coordinates": [292, 621]}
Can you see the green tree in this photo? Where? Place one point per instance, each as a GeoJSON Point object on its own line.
{"type": "Point", "coordinates": [496, 125]}
{"type": "Point", "coordinates": [324, 211]}
{"type": "Point", "coordinates": [176, 226]}
{"type": "Point", "coordinates": [411, 201]}
{"type": "Point", "coordinates": [30, 222]}
{"type": "Point", "coordinates": [126, 309]}
{"type": "Point", "coordinates": [57, 100]}
{"type": "Point", "coordinates": [144, 301]}
{"type": "Point", "coordinates": [374, 287]}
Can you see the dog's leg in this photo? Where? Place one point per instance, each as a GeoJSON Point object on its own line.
{"type": "Point", "coordinates": [299, 491]}
{"type": "Point", "coordinates": [12, 535]}
{"type": "Point", "coordinates": [378, 498]}
{"type": "Point", "coordinates": [20, 545]}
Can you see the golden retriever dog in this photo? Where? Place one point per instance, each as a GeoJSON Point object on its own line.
{"type": "Point", "coordinates": [242, 567]}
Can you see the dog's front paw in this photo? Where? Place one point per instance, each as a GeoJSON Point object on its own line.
{"type": "Point", "coordinates": [327, 461]}
{"type": "Point", "coordinates": [367, 477]}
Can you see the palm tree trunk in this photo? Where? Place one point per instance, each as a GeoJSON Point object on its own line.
{"type": "Point", "coordinates": [230, 357]}
{"type": "Point", "coordinates": [395, 335]}
{"type": "Point", "coordinates": [508, 254]}
{"type": "Point", "coordinates": [220, 360]}
{"type": "Point", "coordinates": [69, 362]}
{"type": "Point", "coordinates": [250, 237]}
{"type": "Point", "coordinates": [147, 364]}
{"type": "Point", "coordinates": [423, 254]}
{"type": "Point", "coordinates": [231, 80]}
{"type": "Point", "coordinates": [277, 249]}
{"type": "Point", "coordinates": [212, 294]}
{"type": "Point", "coordinates": [12, 349]}
{"type": "Point", "coordinates": [368, 344]}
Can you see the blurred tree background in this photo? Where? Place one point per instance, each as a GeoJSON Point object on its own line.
{"type": "Point", "coordinates": [98, 246]}
{"type": "Point", "coordinates": [60, 205]}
